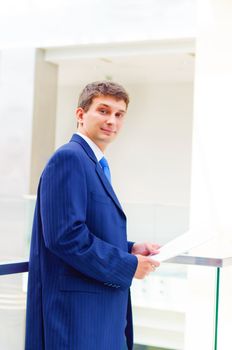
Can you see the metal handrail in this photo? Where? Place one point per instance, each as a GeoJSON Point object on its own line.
{"type": "Point", "coordinates": [7, 268]}
{"type": "Point", "coordinates": [187, 259]}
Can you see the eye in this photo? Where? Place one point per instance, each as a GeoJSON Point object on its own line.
{"type": "Point", "coordinates": [119, 115]}
{"type": "Point", "coordinates": [103, 111]}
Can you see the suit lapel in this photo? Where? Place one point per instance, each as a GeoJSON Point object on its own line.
{"type": "Point", "coordinates": [84, 144]}
{"type": "Point", "coordinates": [99, 171]}
{"type": "Point", "coordinates": [107, 186]}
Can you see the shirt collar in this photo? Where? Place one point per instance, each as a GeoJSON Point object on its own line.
{"type": "Point", "coordinates": [96, 150]}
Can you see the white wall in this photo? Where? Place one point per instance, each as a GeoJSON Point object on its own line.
{"type": "Point", "coordinates": [154, 147]}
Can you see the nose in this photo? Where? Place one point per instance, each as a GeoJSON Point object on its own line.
{"type": "Point", "coordinates": [111, 120]}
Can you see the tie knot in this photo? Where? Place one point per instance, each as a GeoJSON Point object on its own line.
{"type": "Point", "coordinates": [104, 162]}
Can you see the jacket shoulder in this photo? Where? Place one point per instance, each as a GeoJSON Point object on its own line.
{"type": "Point", "coordinates": [66, 151]}
{"type": "Point", "coordinates": [69, 154]}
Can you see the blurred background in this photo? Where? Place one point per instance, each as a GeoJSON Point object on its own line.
{"type": "Point", "coordinates": [174, 59]}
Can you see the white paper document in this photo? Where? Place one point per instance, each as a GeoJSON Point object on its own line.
{"type": "Point", "coordinates": [182, 244]}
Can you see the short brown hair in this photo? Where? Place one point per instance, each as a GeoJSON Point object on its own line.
{"type": "Point", "coordinates": [99, 88]}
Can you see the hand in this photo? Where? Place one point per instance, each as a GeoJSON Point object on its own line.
{"type": "Point", "coordinates": [145, 249]}
{"type": "Point", "coordinates": [145, 266]}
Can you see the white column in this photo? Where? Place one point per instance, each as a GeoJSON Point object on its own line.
{"type": "Point", "coordinates": [44, 118]}
{"type": "Point", "coordinates": [17, 67]}
{"type": "Point", "coordinates": [27, 135]}
{"type": "Point", "coordinates": [211, 191]}
{"type": "Point", "coordinates": [212, 141]}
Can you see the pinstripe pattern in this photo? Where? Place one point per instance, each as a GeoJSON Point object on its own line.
{"type": "Point", "coordinates": [80, 270]}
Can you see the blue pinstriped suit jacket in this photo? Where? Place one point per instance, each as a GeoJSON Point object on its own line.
{"type": "Point", "coordinates": [80, 267]}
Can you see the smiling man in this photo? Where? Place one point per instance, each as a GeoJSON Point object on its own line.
{"type": "Point", "coordinates": [81, 264]}
{"type": "Point", "coordinates": [103, 119]}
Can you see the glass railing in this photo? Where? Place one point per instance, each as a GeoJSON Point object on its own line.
{"type": "Point", "coordinates": [175, 308]}
{"type": "Point", "coordinates": [146, 221]}
{"type": "Point", "coordinates": [16, 215]}
{"type": "Point", "coordinates": [12, 311]}
{"type": "Point", "coordinates": [181, 310]}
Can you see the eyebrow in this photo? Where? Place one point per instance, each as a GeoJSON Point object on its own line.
{"type": "Point", "coordinates": [105, 105]}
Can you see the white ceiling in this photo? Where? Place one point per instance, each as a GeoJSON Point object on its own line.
{"type": "Point", "coordinates": [128, 64]}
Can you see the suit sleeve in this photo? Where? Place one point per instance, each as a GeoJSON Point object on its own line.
{"type": "Point", "coordinates": [63, 205]}
{"type": "Point", "coordinates": [130, 245]}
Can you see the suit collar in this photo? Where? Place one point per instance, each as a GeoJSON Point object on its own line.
{"type": "Point", "coordinates": [84, 144]}
{"type": "Point", "coordinates": [96, 150]}
{"type": "Point", "coordinates": [99, 171]}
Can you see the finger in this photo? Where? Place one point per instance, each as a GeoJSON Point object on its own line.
{"type": "Point", "coordinates": [156, 246]}
{"type": "Point", "coordinates": [156, 263]}
{"type": "Point", "coordinates": [150, 268]}
{"type": "Point", "coordinates": [154, 252]}
{"type": "Point", "coordinates": [153, 262]}
{"type": "Point", "coordinates": [146, 253]}
{"type": "Point", "coordinates": [147, 249]}
{"type": "Point", "coordinates": [153, 267]}
{"type": "Point", "coordinates": [153, 248]}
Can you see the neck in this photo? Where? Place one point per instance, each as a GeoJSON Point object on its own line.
{"type": "Point", "coordinates": [102, 146]}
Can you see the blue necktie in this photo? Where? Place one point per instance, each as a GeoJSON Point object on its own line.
{"type": "Point", "coordinates": [106, 169]}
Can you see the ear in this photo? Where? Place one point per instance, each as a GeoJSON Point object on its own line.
{"type": "Point", "coordinates": [79, 115]}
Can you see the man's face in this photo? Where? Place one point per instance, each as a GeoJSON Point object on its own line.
{"type": "Point", "coordinates": [102, 122]}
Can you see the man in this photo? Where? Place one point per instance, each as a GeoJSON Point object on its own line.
{"type": "Point", "coordinates": [81, 264]}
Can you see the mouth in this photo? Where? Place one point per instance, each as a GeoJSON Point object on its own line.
{"type": "Point", "coordinates": [108, 131]}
